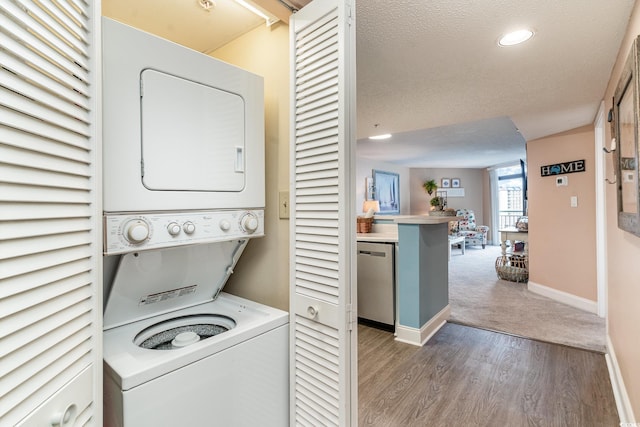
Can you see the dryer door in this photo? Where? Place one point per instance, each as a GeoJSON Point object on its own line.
{"type": "Point", "coordinates": [192, 135]}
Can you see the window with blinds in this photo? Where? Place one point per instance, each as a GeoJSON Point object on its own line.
{"type": "Point", "coordinates": [49, 205]}
{"type": "Point", "coordinates": [323, 236]}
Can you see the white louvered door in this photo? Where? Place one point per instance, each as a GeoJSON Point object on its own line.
{"type": "Point", "coordinates": [50, 213]}
{"type": "Point", "coordinates": [323, 333]}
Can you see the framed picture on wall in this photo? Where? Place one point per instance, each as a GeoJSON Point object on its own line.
{"type": "Point", "coordinates": [455, 182]}
{"type": "Point", "coordinates": [387, 191]}
{"type": "Point", "coordinates": [445, 183]}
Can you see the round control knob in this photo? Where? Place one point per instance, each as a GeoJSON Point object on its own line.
{"type": "Point", "coordinates": [173, 228]}
{"type": "Point", "coordinates": [136, 231]}
{"type": "Point", "coordinates": [224, 225]}
{"type": "Point", "coordinates": [189, 227]}
{"type": "Point", "coordinates": [249, 222]}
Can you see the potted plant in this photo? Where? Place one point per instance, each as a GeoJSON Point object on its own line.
{"type": "Point", "coordinates": [437, 203]}
{"type": "Point", "coordinates": [430, 186]}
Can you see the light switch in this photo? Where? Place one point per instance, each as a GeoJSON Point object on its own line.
{"type": "Point", "coordinates": [283, 204]}
{"type": "Point", "coordinates": [574, 201]}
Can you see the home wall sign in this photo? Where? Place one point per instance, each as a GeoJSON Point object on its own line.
{"type": "Point", "coordinates": [563, 168]}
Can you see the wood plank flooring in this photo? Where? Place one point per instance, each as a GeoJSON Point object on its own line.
{"type": "Point", "coordinates": [472, 377]}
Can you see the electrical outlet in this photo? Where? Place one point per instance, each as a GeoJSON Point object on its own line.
{"type": "Point", "coordinates": [574, 201]}
{"type": "Point", "coordinates": [283, 205]}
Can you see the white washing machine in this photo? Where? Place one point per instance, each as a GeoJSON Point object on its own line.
{"type": "Point", "coordinates": [179, 352]}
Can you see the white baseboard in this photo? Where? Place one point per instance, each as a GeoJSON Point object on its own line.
{"type": "Point", "coordinates": [420, 336]}
{"type": "Point", "coordinates": [564, 297]}
{"type": "Point", "coordinates": [625, 411]}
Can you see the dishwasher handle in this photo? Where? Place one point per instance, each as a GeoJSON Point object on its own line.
{"type": "Point", "coordinates": [372, 253]}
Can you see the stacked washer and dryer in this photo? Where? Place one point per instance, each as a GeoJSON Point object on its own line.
{"type": "Point", "coordinates": [183, 157]}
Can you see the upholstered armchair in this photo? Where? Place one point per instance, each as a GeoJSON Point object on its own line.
{"type": "Point", "coordinates": [473, 234]}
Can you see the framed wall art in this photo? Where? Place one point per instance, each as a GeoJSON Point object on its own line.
{"type": "Point", "coordinates": [387, 191]}
{"type": "Point", "coordinates": [625, 131]}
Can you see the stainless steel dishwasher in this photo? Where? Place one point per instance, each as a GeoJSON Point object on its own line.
{"type": "Point", "coordinates": [376, 284]}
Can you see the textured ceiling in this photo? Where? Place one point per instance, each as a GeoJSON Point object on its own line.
{"type": "Point", "coordinates": [425, 65]}
{"type": "Point", "coordinates": [428, 64]}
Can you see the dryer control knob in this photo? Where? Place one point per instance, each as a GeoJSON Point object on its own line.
{"type": "Point", "coordinates": [189, 227]}
{"type": "Point", "coordinates": [224, 225]}
{"type": "Point", "coordinates": [136, 231]}
{"type": "Point", "coordinates": [173, 228]}
{"type": "Point", "coordinates": [249, 222]}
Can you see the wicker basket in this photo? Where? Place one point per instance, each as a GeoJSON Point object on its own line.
{"type": "Point", "coordinates": [514, 268]}
{"type": "Point", "coordinates": [364, 225]}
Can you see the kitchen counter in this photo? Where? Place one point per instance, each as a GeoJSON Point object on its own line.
{"type": "Point", "coordinates": [388, 232]}
{"type": "Point", "coordinates": [426, 219]}
{"type": "Point", "coordinates": [388, 237]}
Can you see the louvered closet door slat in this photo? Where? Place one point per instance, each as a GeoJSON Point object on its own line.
{"type": "Point", "coordinates": [49, 227]}
{"type": "Point", "coordinates": [42, 64]}
{"type": "Point", "coordinates": [52, 28]}
{"type": "Point", "coordinates": [26, 106]}
{"type": "Point", "coordinates": [32, 301]}
{"type": "Point", "coordinates": [37, 160]}
{"type": "Point", "coordinates": [49, 379]}
{"type": "Point", "coordinates": [44, 147]}
{"type": "Point", "coordinates": [25, 282]}
{"type": "Point", "coordinates": [44, 178]}
{"type": "Point", "coordinates": [27, 72]}
{"type": "Point", "coordinates": [16, 266]}
{"type": "Point", "coordinates": [26, 193]}
{"type": "Point", "coordinates": [16, 366]}
{"type": "Point", "coordinates": [50, 212]}
{"type": "Point", "coordinates": [43, 96]}
{"type": "Point", "coordinates": [20, 27]}
{"type": "Point", "coordinates": [16, 120]}
{"type": "Point", "coordinates": [29, 211]}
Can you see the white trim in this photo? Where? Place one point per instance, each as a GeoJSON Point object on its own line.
{"type": "Point", "coordinates": [420, 336]}
{"type": "Point", "coordinates": [623, 404]}
{"type": "Point", "coordinates": [563, 297]}
{"type": "Point", "coordinates": [601, 214]}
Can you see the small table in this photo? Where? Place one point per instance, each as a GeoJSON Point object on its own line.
{"type": "Point", "coordinates": [513, 235]}
{"type": "Point", "coordinates": [456, 240]}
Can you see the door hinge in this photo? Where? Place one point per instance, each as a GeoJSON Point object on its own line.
{"type": "Point", "coordinates": [350, 317]}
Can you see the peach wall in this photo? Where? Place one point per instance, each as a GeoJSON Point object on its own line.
{"type": "Point", "coordinates": [562, 247]}
{"type": "Point", "coordinates": [262, 274]}
{"type": "Point", "coordinates": [623, 266]}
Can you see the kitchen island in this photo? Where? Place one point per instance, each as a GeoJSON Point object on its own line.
{"type": "Point", "coordinates": [421, 272]}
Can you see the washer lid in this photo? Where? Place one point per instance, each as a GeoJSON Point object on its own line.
{"type": "Point", "coordinates": [149, 283]}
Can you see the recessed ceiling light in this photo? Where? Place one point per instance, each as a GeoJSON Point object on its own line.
{"type": "Point", "coordinates": [383, 136]}
{"type": "Point", "coordinates": [515, 37]}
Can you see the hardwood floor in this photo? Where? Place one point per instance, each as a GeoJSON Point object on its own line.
{"type": "Point", "coordinates": [472, 377]}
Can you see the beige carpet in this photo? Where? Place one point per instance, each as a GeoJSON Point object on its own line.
{"type": "Point", "coordinates": [478, 298]}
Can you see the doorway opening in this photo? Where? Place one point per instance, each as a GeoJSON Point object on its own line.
{"type": "Point", "coordinates": [512, 194]}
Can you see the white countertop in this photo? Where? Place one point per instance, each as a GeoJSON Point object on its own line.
{"type": "Point", "coordinates": [388, 232]}
{"type": "Point", "coordinates": [426, 219]}
{"type": "Point", "coordinates": [377, 237]}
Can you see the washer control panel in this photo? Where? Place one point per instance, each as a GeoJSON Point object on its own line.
{"type": "Point", "coordinates": [134, 232]}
